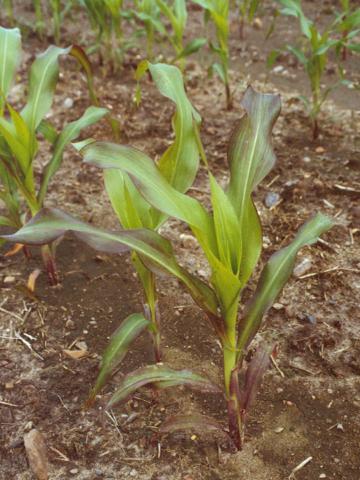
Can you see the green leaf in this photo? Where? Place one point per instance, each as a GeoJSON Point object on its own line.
{"type": "Point", "coordinates": [50, 224]}
{"type": "Point", "coordinates": [251, 157]}
{"type": "Point", "coordinates": [69, 133]}
{"type": "Point", "coordinates": [192, 47]}
{"type": "Point", "coordinates": [275, 275]}
{"type": "Point", "coordinates": [118, 347]}
{"type": "Point", "coordinates": [180, 162]}
{"type": "Point", "coordinates": [163, 377]}
{"type": "Point", "coordinates": [152, 185]}
{"type": "Point", "coordinates": [5, 221]}
{"type": "Point", "coordinates": [43, 78]}
{"type": "Point", "coordinates": [10, 55]}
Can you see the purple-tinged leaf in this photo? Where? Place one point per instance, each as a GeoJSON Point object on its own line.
{"type": "Point", "coordinates": [117, 349]}
{"type": "Point", "coordinates": [50, 224]}
{"type": "Point", "coordinates": [194, 422]}
{"type": "Point", "coordinates": [254, 374]}
{"type": "Point", "coordinates": [162, 376]}
{"type": "Point", "coordinates": [275, 275]}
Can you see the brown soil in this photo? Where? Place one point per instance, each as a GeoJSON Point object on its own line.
{"type": "Point", "coordinates": [310, 407]}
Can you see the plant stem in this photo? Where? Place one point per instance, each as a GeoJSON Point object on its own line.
{"type": "Point", "coordinates": [236, 424]}
{"type": "Point", "coordinates": [229, 101]}
{"type": "Point", "coordinates": [231, 379]}
{"type": "Point", "coordinates": [50, 265]}
{"type": "Point", "coordinates": [152, 313]}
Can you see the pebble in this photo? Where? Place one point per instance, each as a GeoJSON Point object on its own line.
{"type": "Point", "coordinates": [188, 241]}
{"type": "Point", "coordinates": [310, 318]}
{"type": "Point", "coordinates": [302, 267]}
{"type": "Point", "coordinates": [74, 471]}
{"type": "Point", "coordinates": [306, 159]}
{"type": "Point", "coordinates": [322, 475]}
{"type": "Point", "coordinates": [320, 150]}
{"type": "Point", "coordinates": [9, 279]}
{"type": "Point", "coordinates": [133, 473]}
{"type": "Point", "coordinates": [257, 23]}
{"type": "Point", "coordinates": [278, 69]}
{"type": "Point", "coordinates": [271, 199]}
{"type": "Point", "coordinates": [68, 102]}
{"type": "Point", "coordinates": [70, 324]}
{"type": "Point", "coordinates": [278, 306]}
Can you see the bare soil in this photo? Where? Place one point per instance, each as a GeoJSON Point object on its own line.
{"type": "Point", "coordinates": [308, 407]}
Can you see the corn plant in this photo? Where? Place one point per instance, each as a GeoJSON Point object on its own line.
{"type": "Point", "coordinates": [313, 55]}
{"type": "Point", "coordinates": [178, 165]}
{"type": "Point", "coordinates": [218, 12]}
{"type": "Point", "coordinates": [8, 7]}
{"type": "Point", "coordinates": [106, 18]}
{"type": "Point", "coordinates": [148, 13]}
{"type": "Point", "coordinates": [247, 10]}
{"type": "Point", "coordinates": [20, 130]}
{"type": "Point", "coordinates": [348, 25]}
{"type": "Point", "coordinates": [176, 14]}
{"type": "Point", "coordinates": [229, 235]}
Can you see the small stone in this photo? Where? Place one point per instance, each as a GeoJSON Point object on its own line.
{"type": "Point", "coordinates": [98, 472]}
{"type": "Point", "coordinates": [68, 102]}
{"type": "Point", "coordinates": [310, 318]}
{"type": "Point", "coordinates": [278, 69]}
{"type": "Point", "coordinates": [279, 429]}
{"type": "Point", "coordinates": [306, 159]}
{"type": "Point", "coordinates": [257, 23]}
{"type": "Point", "coordinates": [322, 475]}
{"type": "Point", "coordinates": [74, 471]}
{"type": "Point", "coordinates": [302, 267]}
{"type": "Point", "coordinates": [70, 324]}
{"type": "Point", "coordinates": [188, 241]}
{"type": "Point", "coordinates": [9, 279]}
{"type": "Point", "coordinates": [9, 385]}
{"type": "Point", "coordinates": [272, 199]}
{"type": "Point", "coordinates": [320, 150]}
{"type": "Point", "coordinates": [133, 473]}
{"type": "Point", "coordinates": [37, 455]}
{"type": "Point", "coordinates": [278, 306]}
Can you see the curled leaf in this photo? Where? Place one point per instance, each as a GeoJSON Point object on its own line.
{"type": "Point", "coordinates": [162, 376]}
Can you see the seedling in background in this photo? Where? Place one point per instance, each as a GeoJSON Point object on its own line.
{"type": "Point", "coordinates": [176, 15]}
{"type": "Point", "coordinates": [106, 17]}
{"type": "Point", "coordinates": [230, 236]}
{"type": "Point", "coordinates": [148, 12]}
{"type": "Point", "coordinates": [247, 10]}
{"type": "Point", "coordinates": [218, 12]}
{"type": "Point", "coordinates": [313, 54]}
{"type": "Point", "coordinates": [20, 131]}
{"type": "Point", "coordinates": [348, 25]}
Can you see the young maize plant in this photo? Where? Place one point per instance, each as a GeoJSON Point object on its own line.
{"type": "Point", "coordinates": [148, 13]}
{"type": "Point", "coordinates": [348, 25]}
{"type": "Point", "coordinates": [231, 239]}
{"type": "Point", "coordinates": [247, 10]}
{"type": "Point", "coordinates": [106, 18]}
{"type": "Point", "coordinates": [313, 55]}
{"type": "Point", "coordinates": [178, 165]}
{"type": "Point", "coordinates": [218, 12]}
{"type": "Point", "coordinates": [176, 14]}
{"type": "Point", "coordinates": [19, 132]}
